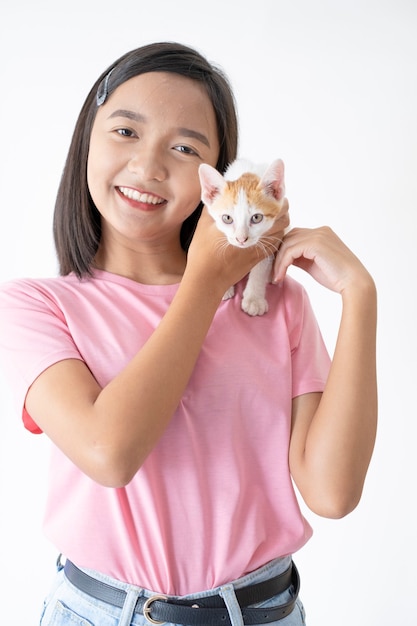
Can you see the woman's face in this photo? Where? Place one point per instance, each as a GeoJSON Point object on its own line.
{"type": "Point", "coordinates": [147, 142]}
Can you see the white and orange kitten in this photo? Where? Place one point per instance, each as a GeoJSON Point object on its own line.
{"type": "Point", "coordinates": [244, 203]}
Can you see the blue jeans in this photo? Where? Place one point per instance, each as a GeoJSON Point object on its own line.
{"type": "Point", "coordinates": [68, 606]}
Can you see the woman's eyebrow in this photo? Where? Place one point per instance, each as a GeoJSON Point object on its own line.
{"type": "Point", "coordinates": [188, 132]}
{"type": "Point", "coordinates": [132, 115]}
{"type": "Point", "coordinates": [138, 117]}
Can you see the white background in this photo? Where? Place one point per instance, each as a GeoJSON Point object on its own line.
{"type": "Point", "coordinates": [331, 87]}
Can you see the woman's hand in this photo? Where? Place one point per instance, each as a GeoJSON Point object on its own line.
{"type": "Point", "coordinates": [323, 255]}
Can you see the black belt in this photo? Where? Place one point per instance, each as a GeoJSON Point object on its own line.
{"type": "Point", "coordinates": [204, 611]}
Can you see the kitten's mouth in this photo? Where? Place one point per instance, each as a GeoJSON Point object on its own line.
{"type": "Point", "coordinates": [137, 196]}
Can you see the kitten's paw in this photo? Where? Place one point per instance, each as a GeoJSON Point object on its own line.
{"type": "Point", "coordinates": [254, 306]}
{"type": "Point", "coordinates": [229, 293]}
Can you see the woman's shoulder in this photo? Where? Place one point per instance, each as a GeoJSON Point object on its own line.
{"type": "Point", "coordinates": [28, 288]}
{"type": "Point", "coordinates": [290, 292]}
{"type": "Point", "coordinates": [70, 292]}
{"type": "Point", "coordinates": [51, 286]}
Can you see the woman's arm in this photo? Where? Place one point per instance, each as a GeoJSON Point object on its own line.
{"type": "Point", "coordinates": [333, 433]}
{"type": "Point", "coordinates": [109, 432]}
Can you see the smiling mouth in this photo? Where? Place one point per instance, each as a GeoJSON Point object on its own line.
{"type": "Point", "coordinates": [137, 196]}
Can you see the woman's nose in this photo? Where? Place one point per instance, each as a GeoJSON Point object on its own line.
{"type": "Point", "coordinates": [148, 165]}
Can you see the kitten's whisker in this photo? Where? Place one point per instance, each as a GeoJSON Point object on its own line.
{"type": "Point", "coordinates": [222, 246]}
{"type": "Point", "coordinates": [273, 240]}
{"type": "Point", "coordinates": [268, 246]}
{"type": "Point", "coordinates": [262, 250]}
{"type": "Point", "coordinates": [274, 245]}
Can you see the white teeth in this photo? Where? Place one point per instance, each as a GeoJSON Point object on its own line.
{"type": "Point", "coordinates": [140, 197]}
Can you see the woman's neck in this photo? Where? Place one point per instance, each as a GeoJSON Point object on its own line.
{"type": "Point", "coordinates": [152, 265]}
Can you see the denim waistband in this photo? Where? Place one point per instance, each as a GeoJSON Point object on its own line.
{"type": "Point", "coordinates": [270, 569]}
{"type": "Point", "coordinates": [140, 599]}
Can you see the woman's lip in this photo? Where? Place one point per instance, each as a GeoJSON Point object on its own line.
{"type": "Point", "coordinates": [139, 198]}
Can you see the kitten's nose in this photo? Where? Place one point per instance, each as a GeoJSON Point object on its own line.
{"type": "Point", "coordinates": [242, 240]}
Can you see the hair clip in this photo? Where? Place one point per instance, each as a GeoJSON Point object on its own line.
{"type": "Point", "coordinates": [103, 89]}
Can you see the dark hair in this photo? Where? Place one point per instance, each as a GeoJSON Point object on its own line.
{"type": "Point", "coordinates": [77, 222]}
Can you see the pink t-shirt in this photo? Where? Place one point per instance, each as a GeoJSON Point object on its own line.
{"type": "Point", "coordinates": [214, 500]}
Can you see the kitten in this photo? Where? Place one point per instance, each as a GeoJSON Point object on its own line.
{"type": "Point", "coordinates": [244, 203]}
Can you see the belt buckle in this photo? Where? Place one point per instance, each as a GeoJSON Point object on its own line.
{"type": "Point", "coordinates": [147, 608]}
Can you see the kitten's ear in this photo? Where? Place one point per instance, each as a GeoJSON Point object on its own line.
{"type": "Point", "coordinates": [212, 183]}
{"type": "Point", "coordinates": [272, 182]}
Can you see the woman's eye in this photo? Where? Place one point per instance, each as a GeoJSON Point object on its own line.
{"type": "Point", "coordinates": [126, 132]}
{"type": "Point", "coordinates": [185, 149]}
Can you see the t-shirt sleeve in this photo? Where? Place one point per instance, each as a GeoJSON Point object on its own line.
{"type": "Point", "coordinates": [33, 336]}
{"type": "Point", "coordinates": [310, 358]}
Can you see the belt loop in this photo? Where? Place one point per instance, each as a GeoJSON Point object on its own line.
{"type": "Point", "coordinates": [59, 564]}
{"type": "Point", "coordinates": [228, 594]}
{"type": "Point", "coordinates": [132, 595]}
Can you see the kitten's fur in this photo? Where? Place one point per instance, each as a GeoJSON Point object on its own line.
{"type": "Point", "coordinates": [244, 203]}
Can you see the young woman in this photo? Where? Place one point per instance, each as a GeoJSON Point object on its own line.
{"type": "Point", "coordinates": [177, 421]}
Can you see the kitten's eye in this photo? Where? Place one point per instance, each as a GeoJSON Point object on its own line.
{"type": "Point", "coordinates": [227, 219]}
{"type": "Point", "coordinates": [256, 218]}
